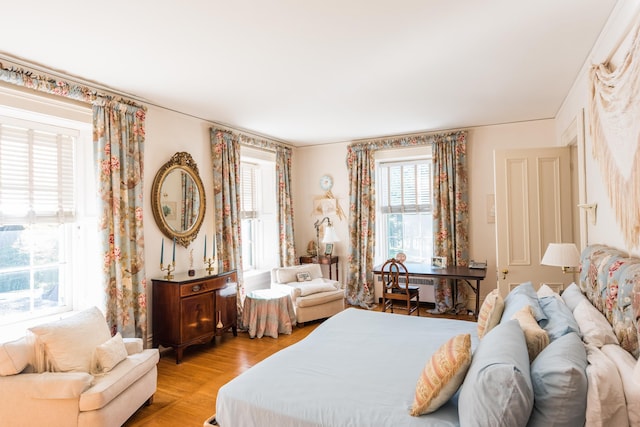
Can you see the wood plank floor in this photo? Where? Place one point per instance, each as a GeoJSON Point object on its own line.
{"type": "Point", "coordinates": [186, 394]}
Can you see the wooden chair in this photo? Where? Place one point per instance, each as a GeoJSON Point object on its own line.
{"type": "Point", "coordinates": [395, 287]}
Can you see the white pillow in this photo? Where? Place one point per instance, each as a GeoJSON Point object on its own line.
{"type": "Point", "coordinates": [14, 357]}
{"type": "Point", "coordinates": [133, 345]}
{"type": "Point", "coordinates": [605, 396]}
{"type": "Point", "coordinates": [109, 354]}
{"type": "Point", "coordinates": [315, 286]}
{"type": "Point", "coordinates": [289, 274]}
{"type": "Point", "coordinates": [626, 363]}
{"type": "Point", "coordinates": [67, 345]}
{"type": "Point", "coordinates": [545, 291]}
{"type": "Point", "coordinates": [594, 327]}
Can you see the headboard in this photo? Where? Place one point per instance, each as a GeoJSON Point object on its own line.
{"type": "Point", "coordinates": [611, 281]}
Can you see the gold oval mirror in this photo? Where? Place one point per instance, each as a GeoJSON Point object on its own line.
{"type": "Point", "coordinates": [178, 200]}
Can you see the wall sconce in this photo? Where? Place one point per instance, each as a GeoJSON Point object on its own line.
{"type": "Point", "coordinates": [330, 235]}
{"type": "Point", "coordinates": [591, 209]}
{"type": "Point", "coordinates": [563, 255]}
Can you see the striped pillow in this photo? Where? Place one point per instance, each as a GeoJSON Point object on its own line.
{"type": "Point", "coordinates": [536, 337]}
{"type": "Point", "coordinates": [490, 312]}
{"type": "Point", "coordinates": [442, 375]}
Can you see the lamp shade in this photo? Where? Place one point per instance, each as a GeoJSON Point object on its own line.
{"type": "Point", "coordinates": [561, 255]}
{"type": "Point", "coordinates": [330, 235]}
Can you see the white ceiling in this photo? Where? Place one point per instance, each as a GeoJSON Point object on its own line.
{"type": "Point", "coordinates": [312, 72]}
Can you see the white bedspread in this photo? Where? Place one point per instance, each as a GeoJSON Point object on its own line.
{"type": "Point", "coordinates": [359, 368]}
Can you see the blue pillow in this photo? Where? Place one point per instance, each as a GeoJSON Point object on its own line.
{"type": "Point", "coordinates": [559, 382]}
{"type": "Point", "coordinates": [560, 320]}
{"type": "Point", "coordinates": [497, 390]}
{"type": "Point", "coordinates": [572, 296]}
{"type": "Point", "coordinates": [522, 295]}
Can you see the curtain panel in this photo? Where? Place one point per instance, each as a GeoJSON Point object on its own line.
{"type": "Point", "coordinates": [119, 151]}
{"type": "Point", "coordinates": [225, 158]}
{"type": "Point", "coordinates": [285, 206]}
{"type": "Point", "coordinates": [450, 216]}
{"type": "Point", "coordinates": [361, 167]}
{"type": "Point", "coordinates": [614, 110]}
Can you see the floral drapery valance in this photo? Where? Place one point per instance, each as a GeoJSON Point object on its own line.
{"type": "Point", "coordinates": [615, 128]}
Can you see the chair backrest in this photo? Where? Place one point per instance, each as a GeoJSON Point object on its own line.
{"type": "Point", "coordinates": [395, 276]}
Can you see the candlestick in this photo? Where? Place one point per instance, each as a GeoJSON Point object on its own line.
{"type": "Point", "coordinates": [174, 251]}
{"type": "Point", "coordinates": [169, 268]}
{"type": "Point", "coordinates": [209, 264]}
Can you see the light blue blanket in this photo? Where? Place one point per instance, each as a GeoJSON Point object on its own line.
{"type": "Point", "coordinates": [359, 368]}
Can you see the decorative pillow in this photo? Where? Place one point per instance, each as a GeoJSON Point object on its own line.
{"type": "Point", "coordinates": [133, 345]}
{"type": "Point", "coordinates": [560, 384]}
{"type": "Point", "coordinates": [572, 296]}
{"type": "Point", "coordinates": [626, 364]}
{"type": "Point", "coordinates": [594, 327]}
{"type": "Point", "coordinates": [536, 337]}
{"type": "Point", "coordinates": [490, 312]}
{"type": "Point", "coordinates": [605, 397]}
{"type": "Point", "coordinates": [560, 320]}
{"type": "Point", "coordinates": [109, 354]}
{"type": "Point", "coordinates": [497, 389]}
{"type": "Point", "coordinates": [442, 375]}
{"type": "Point", "coordinates": [14, 357]}
{"type": "Point", "coordinates": [522, 295]}
{"type": "Point", "coordinates": [303, 276]}
{"type": "Point", "coordinates": [67, 345]}
{"type": "Point", "coordinates": [289, 274]}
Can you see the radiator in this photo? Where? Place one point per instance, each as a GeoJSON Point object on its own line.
{"type": "Point", "coordinates": [425, 284]}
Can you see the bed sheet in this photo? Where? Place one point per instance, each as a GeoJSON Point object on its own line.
{"type": "Point", "coordinates": [359, 368]}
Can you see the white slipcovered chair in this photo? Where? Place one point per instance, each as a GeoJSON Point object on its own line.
{"type": "Point", "coordinates": [313, 296]}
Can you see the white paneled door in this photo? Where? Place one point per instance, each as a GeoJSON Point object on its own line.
{"type": "Point", "coordinates": [533, 209]}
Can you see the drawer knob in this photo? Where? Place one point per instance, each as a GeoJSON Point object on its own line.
{"type": "Point", "coordinates": [195, 288]}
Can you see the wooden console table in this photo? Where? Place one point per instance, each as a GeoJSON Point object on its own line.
{"type": "Point", "coordinates": [322, 259]}
{"type": "Point", "coordinates": [190, 310]}
{"type": "Point", "coordinates": [454, 273]}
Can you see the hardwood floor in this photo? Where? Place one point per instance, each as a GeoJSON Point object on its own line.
{"type": "Point", "coordinates": [186, 394]}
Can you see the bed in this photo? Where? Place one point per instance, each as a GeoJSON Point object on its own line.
{"type": "Point", "coordinates": [360, 367]}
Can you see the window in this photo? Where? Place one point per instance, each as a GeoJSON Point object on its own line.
{"type": "Point", "coordinates": [258, 210]}
{"type": "Point", "coordinates": [48, 242]}
{"type": "Point", "coordinates": [403, 217]}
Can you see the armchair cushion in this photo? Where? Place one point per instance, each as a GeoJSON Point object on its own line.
{"type": "Point", "coordinates": [14, 357]}
{"type": "Point", "coordinates": [133, 345]}
{"type": "Point", "coordinates": [67, 345]}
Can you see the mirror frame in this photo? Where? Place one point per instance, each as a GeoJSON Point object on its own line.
{"type": "Point", "coordinates": [183, 161]}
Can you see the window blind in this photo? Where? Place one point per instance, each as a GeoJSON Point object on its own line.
{"type": "Point", "coordinates": [248, 197]}
{"type": "Point", "coordinates": [37, 173]}
{"type": "Point", "coordinates": [405, 187]}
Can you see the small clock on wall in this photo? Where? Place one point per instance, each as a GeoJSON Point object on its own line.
{"type": "Point", "coordinates": [326, 182]}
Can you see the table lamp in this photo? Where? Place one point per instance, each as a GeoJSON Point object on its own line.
{"type": "Point", "coordinates": [563, 255]}
{"type": "Point", "coordinates": [330, 235]}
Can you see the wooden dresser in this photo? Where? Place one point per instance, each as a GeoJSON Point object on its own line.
{"type": "Point", "coordinates": [191, 310]}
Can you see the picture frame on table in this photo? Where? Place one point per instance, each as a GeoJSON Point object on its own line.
{"type": "Point", "coordinates": [328, 249]}
{"type": "Point", "coordinates": [439, 262]}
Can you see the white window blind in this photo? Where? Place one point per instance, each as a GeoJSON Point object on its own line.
{"type": "Point", "coordinates": [248, 191]}
{"type": "Point", "coordinates": [37, 172]}
{"type": "Point", "coordinates": [405, 187]}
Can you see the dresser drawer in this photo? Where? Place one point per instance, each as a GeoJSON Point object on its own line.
{"type": "Point", "coordinates": [195, 288]}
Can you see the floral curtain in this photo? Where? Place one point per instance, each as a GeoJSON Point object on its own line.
{"type": "Point", "coordinates": [450, 216]}
{"type": "Point", "coordinates": [225, 156]}
{"type": "Point", "coordinates": [190, 205]}
{"type": "Point", "coordinates": [118, 133]}
{"type": "Point", "coordinates": [362, 215]}
{"type": "Point", "coordinates": [285, 206]}
{"type": "Point", "coordinates": [361, 166]}
{"type": "Point", "coordinates": [615, 128]}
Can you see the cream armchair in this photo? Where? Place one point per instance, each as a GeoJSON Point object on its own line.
{"type": "Point", "coordinates": [106, 378]}
{"type": "Point", "coordinates": [313, 296]}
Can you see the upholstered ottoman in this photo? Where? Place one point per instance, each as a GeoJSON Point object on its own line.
{"type": "Point", "coordinates": [313, 296]}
